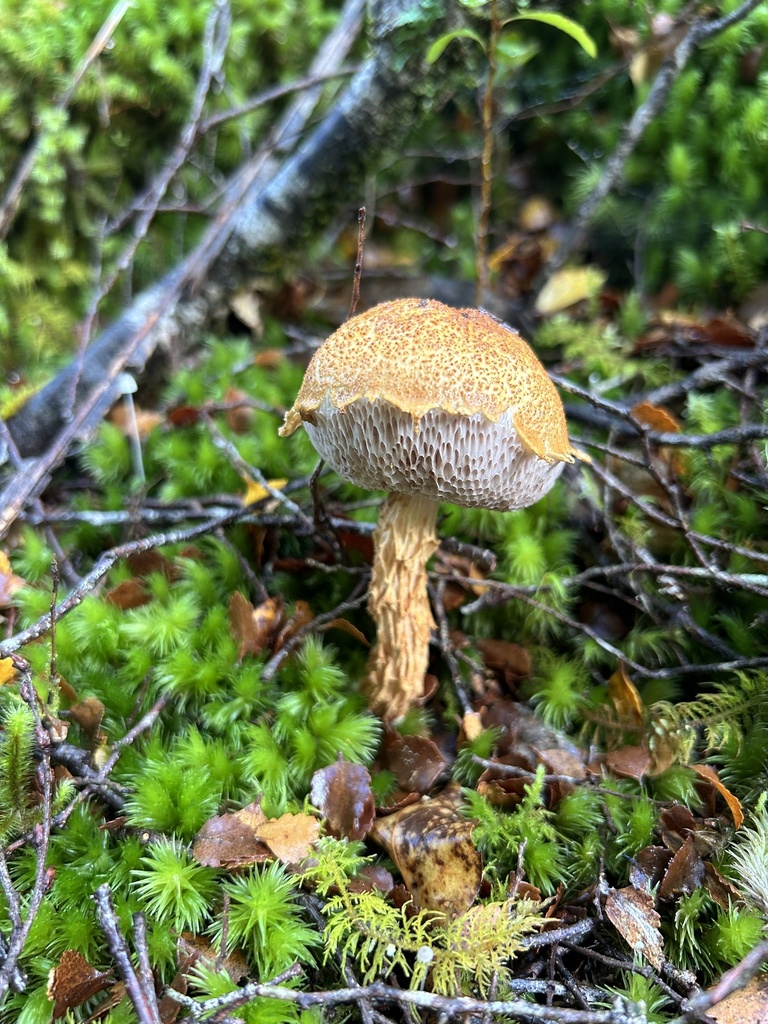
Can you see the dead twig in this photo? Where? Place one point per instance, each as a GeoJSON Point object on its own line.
{"type": "Point", "coordinates": [141, 990]}
{"type": "Point", "coordinates": [10, 974]}
{"type": "Point", "coordinates": [734, 979]}
{"type": "Point", "coordinates": [451, 1006]}
{"type": "Point", "coordinates": [356, 599]}
{"type": "Point", "coordinates": [91, 580]}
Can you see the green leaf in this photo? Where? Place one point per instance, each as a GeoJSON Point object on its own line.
{"type": "Point", "coordinates": [436, 49]}
{"type": "Point", "coordinates": [567, 25]}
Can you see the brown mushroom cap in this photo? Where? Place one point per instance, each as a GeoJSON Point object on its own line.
{"type": "Point", "coordinates": [418, 397]}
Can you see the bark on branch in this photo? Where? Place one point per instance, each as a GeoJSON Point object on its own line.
{"type": "Point", "coordinates": [266, 211]}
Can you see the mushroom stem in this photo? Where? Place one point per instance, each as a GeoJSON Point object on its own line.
{"type": "Point", "coordinates": [404, 541]}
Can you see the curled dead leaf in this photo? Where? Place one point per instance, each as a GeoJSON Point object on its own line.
{"type": "Point", "coordinates": [342, 794]}
{"type": "Point", "coordinates": [632, 914]}
{"type": "Point", "coordinates": [254, 628]}
{"type": "Point", "coordinates": [706, 772]}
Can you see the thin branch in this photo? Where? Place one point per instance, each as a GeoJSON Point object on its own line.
{"type": "Point", "coordinates": [90, 581]}
{"type": "Point", "coordinates": [143, 998]}
{"type": "Point", "coordinates": [734, 979]}
{"type": "Point", "coordinates": [451, 1006]}
{"type": "Point", "coordinates": [10, 975]}
{"type": "Point", "coordinates": [275, 92]}
{"type": "Point", "coordinates": [358, 598]}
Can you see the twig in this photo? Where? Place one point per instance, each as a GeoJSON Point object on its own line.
{"type": "Point", "coordinates": [486, 161]}
{"type": "Point", "coordinates": [215, 38]}
{"type": "Point", "coordinates": [734, 979]}
{"type": "Point", "coordinates": [358, 262]}
{"type": "Point", "coordinates": [142, 997]}
{"type": "Point", "coordinates": [275, 92]}
{"type": "Point", "coordinates": [452, 1006]}
{"type": "Point", "coordinates": [358, 597]}
{"type": "Point", "coordinates": [437, 593]}
{"type": "Point", "coordinates": [10, 975]}
{"type": "Point", "coordinates": [16, 462]}
{"type": "Point", "coordinates": [245, 469]}
{"type": "Point", "coordinates": [99, 571]}
{"type": "Point", "coordinates": [699, 31]}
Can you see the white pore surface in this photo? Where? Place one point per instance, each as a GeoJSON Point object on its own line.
{"type": "Point", "coordinates": [468, 460]}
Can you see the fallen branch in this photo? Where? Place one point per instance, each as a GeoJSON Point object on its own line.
{"type": "Point", "coordinates": [449, 1007]}
{"type": "Point", "coordinates": [140, 990]}
{"type": "Point", "coordinates": [264, 210]}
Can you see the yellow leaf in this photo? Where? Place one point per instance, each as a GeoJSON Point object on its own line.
{"type": "Point", "coordinates": [256, 492]}
{"type": "Point", "coordinates": [7, 671]}
{"type": "Point", "coordinates": [568, 286]}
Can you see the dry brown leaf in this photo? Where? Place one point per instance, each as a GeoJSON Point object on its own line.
{"type": "Point", "coordinates": [415, 762]}
{"type": "Point", "coordinates": [123, 417]}
{"type": "Point", "coordinates": [563, 762]}
{"type": "Point", "coordinates": [89, 714]}
{"type": "Point", "coordinates": [290, 837]}
{"type": "Point", "coordinates": [74, 980]}
{"type": "Point", "coordinates": [130, 593]}
{"type": "Point", "coordinates": [110, 1001]}
{"type": "Point", "coordinates": [684, 874]}
{"type": "Point", "coordinates": [704, 771]}
{"type": "Point", "coordinates": [721, 889]}
{"type": "Point", "coordinates": [647, 869]}
{"type": "Point", "coordinates": [632, 914]}
{"type": "Point", "coordinates": [254, 627]}
{"type": "Point", "coordinates": [195, 948]}
{"type": "Point", "coordinates": [568, 286]}
{"type": "Point", "coordinates": [142, 563]}
{"type": "Point", "coordinates": [342, 794]}
{"type": "Point", "coordinates": [511, 661]}
{"type": "Point", "coordinates": [230, 840]}
{"type": "Point", "coordinates": [472, 725]}
{"type": "Point", "coordinates": [747, 1006]}
{"type": "Point", "coordinates": [240, 417]}
{"type": "Point", "coordinates": [656, 417]}
{"type": "Point", "coordinates": [184, 416]}
{"type": "Point", "coordinates": [433, 850]}
{"type": "Point", "coordinates": [346, 627]}
{"type": "Point", "coordinates": [629, 762]}
{"type": "Point", "coordinates": [302, 616]}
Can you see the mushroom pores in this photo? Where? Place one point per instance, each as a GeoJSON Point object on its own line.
{"type": "Point", "coordinates": [467, 460]}
{"type": "Point", "coordinates": [417, 397]}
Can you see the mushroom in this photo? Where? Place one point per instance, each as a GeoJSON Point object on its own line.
{"type": "Point", "coordinates": [430, 404]}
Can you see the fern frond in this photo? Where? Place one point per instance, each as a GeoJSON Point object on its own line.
{"type": "Point", "coordinates": [672, 730]}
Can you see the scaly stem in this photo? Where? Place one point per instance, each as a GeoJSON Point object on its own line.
{"type": "Point", "coordinates": [404, 541]}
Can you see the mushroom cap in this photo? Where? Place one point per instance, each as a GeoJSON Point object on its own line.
{"type": "Point", "coordinates": [418, 397]}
